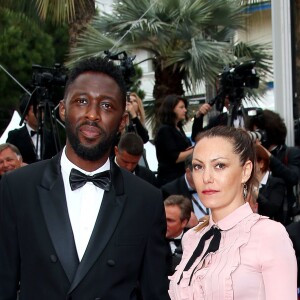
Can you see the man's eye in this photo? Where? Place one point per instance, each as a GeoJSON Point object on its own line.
{"type": "Point", "coordinates": [82, 100]}
{"type": "Point", "coordinates": [105, 105]}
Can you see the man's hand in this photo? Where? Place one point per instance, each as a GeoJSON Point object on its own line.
{"type": "Point", "coordinates": [203, 110]}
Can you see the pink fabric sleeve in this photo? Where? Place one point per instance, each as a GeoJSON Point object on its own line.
{"type": "Point", "coordinates": [278, 262]}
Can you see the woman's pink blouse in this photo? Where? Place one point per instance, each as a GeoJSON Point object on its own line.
{"type": "Point", "coordinates": [255, 261]}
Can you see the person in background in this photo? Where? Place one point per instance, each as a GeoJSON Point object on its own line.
{"type": "Point", "coordinates": [271, 191]}
{"type": "Point", "coordinates": [137, 120]}
{"type": "Point", "coordinates": [284, 160]}
{"type": "Point", "coordinates": [236, 254]}
{"type": "Point", "coordinates": [184, 185]}
{"type": "Point", "coordinates": [171, 143]}
{"type": "Point", "coordinates": [77, 226]}
{"type": "Point", "coordinates": [27, 139]}
{"type": "Point", "coordinates": [128, 154]}
{"type": "Point", "coordinates": [178, 212]}
{"type": "Point", "coordinates": [10, 158]}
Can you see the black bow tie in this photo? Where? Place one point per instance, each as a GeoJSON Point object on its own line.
{"type": "Point", "coordinates": [177, 242]}
{"type": "Point", "coordinates": [32, 132]}
{"type": "Point", "coordinates": [78, 180]}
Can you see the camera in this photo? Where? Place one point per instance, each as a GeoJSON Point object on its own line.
{"type": "Point", "coordinates": [126, 65]}
{"type": "Point", "coordinates": [239, 76]}
{"type": "Point", "coordinates": [260, 135]}
{"type": "Point", "coordinates": [233, 80]}
{"type": "Point", "coordinates": [46, 77]}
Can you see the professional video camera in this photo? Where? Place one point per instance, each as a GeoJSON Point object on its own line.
{"type": "Point", "coordinates": [47, 77]}
{"type": "Point", "coordinates": [47, 84]}
{"type": "Point", "coordinates": [126, 65]}
{"type": "Point", "coordinates": [232, 82]}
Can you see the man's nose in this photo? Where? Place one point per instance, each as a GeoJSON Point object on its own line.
{"type": "Point", "coordinates": [93, 111]}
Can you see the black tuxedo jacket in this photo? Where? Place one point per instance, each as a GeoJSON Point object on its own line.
{"type": "Point", "coordinates": [146, 174]}
{"type": "Point", "coordinates": [176, 187]}
{"type": "Point", "coordinates": [22, 140]}
{"type": "Point", "coordinates": [37, 248]}
{"type": "Point", "coordinates": [271, 198]}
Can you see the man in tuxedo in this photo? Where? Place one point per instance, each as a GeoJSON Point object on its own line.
{"type": "Point", "coordinates": [77, 226]}
{"type": "Point", "coordinates": [27, 139]}
{"type": "Point", "coordinates": [178, 212]}
{"type": "Point", "coordinates": [185, 186]}
{"type": "Point", "coordinates": [128, 154]}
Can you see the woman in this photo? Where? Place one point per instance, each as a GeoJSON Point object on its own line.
{"type": "Point", "coordinates": [172, 145]}
{"type": "Point", "coordinates": [272, 190]}
{"type": "Point", "coordinates": [245, 256]}
{"type": "Point", "coordinates": [136, 122]}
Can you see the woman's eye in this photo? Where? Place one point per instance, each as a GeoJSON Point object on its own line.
{"type": "Point", "coordinates": [220, 166]}
{"type": "Point", "coordinates": [197, 167]}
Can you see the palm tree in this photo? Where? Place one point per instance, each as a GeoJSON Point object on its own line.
{"type": "Point", "coordinates": [75, 13]}
{"type": "Point", "coordinates": [189, 40]}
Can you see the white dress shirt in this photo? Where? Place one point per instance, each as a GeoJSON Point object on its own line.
{"type": "Point", "coordinates": [37, 146]}
{"type": "Point", "coordinates": [83, 203]}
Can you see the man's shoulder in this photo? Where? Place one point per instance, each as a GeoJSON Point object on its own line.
{"type": "Point", "coordinates": [17, 131]}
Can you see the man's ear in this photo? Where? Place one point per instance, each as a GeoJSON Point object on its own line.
{"type": "Point", "coordinates": [247, 170]}
{"type": "Point", "coordinates": [184, 223]}
{"type": "Point", "coordinates": [123, 122]}
{"type": "Point", "coordinates": [62, 110]}
{"type": "Point", "coordinates": [116, 150]}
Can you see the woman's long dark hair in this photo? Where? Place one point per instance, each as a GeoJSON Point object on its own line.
{"type": "Point", "coordinates": [166, 113]}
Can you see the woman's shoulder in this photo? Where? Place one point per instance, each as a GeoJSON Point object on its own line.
{"type": "Point", "coordinates": [269, 230]}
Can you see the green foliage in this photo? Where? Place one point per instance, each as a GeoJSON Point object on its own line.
{"type": "Point", "coordinates": [24, 42]}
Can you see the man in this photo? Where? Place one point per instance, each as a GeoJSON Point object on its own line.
{"type": "Point", "coordinates": [26, 138]}
{"type": "Point", "coordinates": [128, 154]}
{"type": "Point", "coordinates": [178, 212]}
{"type": "Point", "coordinates": [65, 235]}
{"type": "Point", "coordinates": [185, 186]}
{"type": "Point", "coordinates": [284, 160]}
{"type": "Point", "coordinates": [10, 158]}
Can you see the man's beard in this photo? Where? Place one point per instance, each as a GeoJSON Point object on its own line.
{"type": "Point", "coordinates": [95, 152]}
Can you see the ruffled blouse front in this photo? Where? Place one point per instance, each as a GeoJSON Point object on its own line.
{"type": "Point", "coordinates": [255, 253]}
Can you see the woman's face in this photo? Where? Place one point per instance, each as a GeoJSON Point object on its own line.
{"type": "Point", "coordinates": [218, 176]}
{"type": "Point", "coordinates": [134, 103]}
{"type": "Point", "coordinates": [180, 111]}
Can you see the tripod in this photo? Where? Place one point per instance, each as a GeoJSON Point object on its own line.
{"type": "Point", "coordinates": [43, 109]}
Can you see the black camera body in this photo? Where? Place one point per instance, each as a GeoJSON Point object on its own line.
{"type": "Point", "coordinates": [47, 77]}
{"type": "Point", "coordinates": [232, 82]}
{"type": "Point", "coordinates": [126, 65]}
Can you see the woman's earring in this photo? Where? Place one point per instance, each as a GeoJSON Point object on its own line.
{"type": "Point", "coordinates": [245, 191]}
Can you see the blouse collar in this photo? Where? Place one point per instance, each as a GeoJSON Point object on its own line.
{"type": "Point", "coordinates": [233, 218]}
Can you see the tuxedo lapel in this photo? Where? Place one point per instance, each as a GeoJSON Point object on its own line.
{"type": "Point", "coordinates": [108, 217]}
{"type": "Point", "coordinates": [53, 202]}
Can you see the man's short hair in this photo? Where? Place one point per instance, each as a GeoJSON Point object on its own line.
{"type": "Point", "coordinates": [183, 203]}
{"type": "Point", "coordinates": [132, 143]}
{"type": "Point", "coordinates": [98, 65]}
{"type": "Point", "coordinates": [11, 147]}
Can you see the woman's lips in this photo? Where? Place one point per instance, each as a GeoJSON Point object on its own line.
{"type": "Point", "coordinates": [209, 192]}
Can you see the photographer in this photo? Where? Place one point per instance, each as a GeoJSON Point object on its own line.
{"type": "Point", "coordinates": [220, 119]}
{"type": "Point", "coordinates": [284, 160]}
{"type": "Point", "coordinates": [26, 138]}
{"type": "Point", "coordinates": [136, 121]}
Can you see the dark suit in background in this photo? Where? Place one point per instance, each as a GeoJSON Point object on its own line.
{"type": "Point", "coordinates": [126, 249]}
{"type": "Point", "coordinates": [146, 174]}
{"type": "Point", "coordinates": [271, 198]}
{"type": "Point", "coordinates": [22, 140]}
